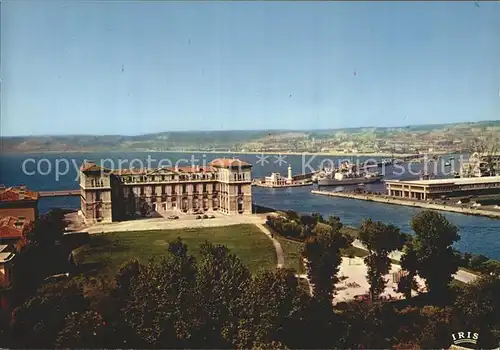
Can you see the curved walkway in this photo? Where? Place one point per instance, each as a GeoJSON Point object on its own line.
{"type": "Point", "coordinates": [281, 257]}
{"type": "Point", "coordinates": [277, 245]}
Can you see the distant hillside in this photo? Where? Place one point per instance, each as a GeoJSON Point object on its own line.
{"type": "Point", "coordinates": [254, 139]}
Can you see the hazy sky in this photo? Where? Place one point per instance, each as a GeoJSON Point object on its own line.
{"type": "Point", "coordinates": [115, 67]}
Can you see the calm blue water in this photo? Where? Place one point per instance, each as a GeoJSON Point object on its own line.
{"type": "Point", "coordinates": [479, 235]}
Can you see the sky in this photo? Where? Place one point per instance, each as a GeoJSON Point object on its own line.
{"type": "Point", "coordinates": [116, 67]}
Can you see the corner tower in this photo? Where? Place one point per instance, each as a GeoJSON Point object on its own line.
{"type": "Point", "coordinates": [235, 185]}
{"type": "Point", "coordinates": [95, 194]}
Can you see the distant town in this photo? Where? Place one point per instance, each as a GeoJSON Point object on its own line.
{"type": "Point", "coordinates": [439, 138]}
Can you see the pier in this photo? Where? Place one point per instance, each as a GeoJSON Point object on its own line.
{"type": "Point", "coordinates": [59, 193]}
{"type": "Point", "coordinates": [411, 203]}
{"type": "Point", "coordinates": [295, 184]}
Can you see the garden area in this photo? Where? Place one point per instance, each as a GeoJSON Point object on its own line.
{"type": "Point", "coordinates": [291, 226]}
{"type": "Point", "coordinates": [107, 252]}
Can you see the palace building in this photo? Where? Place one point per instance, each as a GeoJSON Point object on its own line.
{"type": "Point", "coordinates": [108, 195]}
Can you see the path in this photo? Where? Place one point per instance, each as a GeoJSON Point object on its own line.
{"type": "Point", "coordinates": [461, 275]}
{"type": "Point", "coordinates": [277, 245]}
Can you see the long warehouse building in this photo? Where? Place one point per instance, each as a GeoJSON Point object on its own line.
{"type": "Point", "coordinates": [436, 188]}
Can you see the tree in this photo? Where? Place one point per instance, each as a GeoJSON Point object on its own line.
{"type": "Point", "coordinates": [322, 230]}
{"type": "Point", "coordinates": [308, 221]}
{"type": "Point", "coordinates": [318, 217]}
{"type": "Point", "coordinates": [83, 330]}
{"type": "Point", "coordinates": [335, 223]}
{"type": "Point", "coordinates": [291, 215]}
{"type": "Point", "coordinates": [161, 303]}
{"type": "Point", "coordinates": [323, 262]}
{"type": "Point", "coordinates": [221, 278]}
{"type": "Point", "coordinates": [476, 262]}
{"type": "Point", "coordinates": [409, 264]}
{"type": "Point", "coordinates": [273, 307]}
{"type": "Point", "coordinates": [436, 327]}
{"type": "Point", "coordinates": [48, 228]}
{"type": "Point", "coordinates": [43, 316]}
{"type": "Point", "coordinates": [380, 239]}
{"type": "Point", "coordinates": [125, 276]}
{"type": "Point", "coordinates": [434, 236]}
{"type": "Point", "coordinates": [479, 306]}
{"type": "Point", "coordinates": [492, 267]}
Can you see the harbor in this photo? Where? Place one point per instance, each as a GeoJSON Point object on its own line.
{"type": "Point", "coordinates": [445, 204]}
{"type": "Point", "coordinates": [275, 180]}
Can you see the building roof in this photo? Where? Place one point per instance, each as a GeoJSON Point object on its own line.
{"type": "Point", "coordinates": [229, 163]}
{"type": "Point", "coordinates": [20, 193]}
{"type": "Point", "coordinates": [11, 227]}
{"type": "Point", "coordinates": [163, 171]}
{"type": "Point", "coordinates": [90, 166]}
{"type": "Point", "coordinates": [459, 181]}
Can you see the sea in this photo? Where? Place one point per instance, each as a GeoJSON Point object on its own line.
{"type": "Point", "coordinates": [59, 171]}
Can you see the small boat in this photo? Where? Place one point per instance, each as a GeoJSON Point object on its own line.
{"type": "Point", "coordinates": [451, 158]}
{"type": "Point", "coordinates": [447, 164]}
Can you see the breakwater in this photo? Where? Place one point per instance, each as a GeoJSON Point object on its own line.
{"type": "Point", "coordinates": [297, 184]}
{"type": "Point", "coordinates": [410, 203]}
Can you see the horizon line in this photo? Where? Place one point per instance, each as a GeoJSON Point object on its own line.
{"type": "Point", "coordinates": [253, 130]}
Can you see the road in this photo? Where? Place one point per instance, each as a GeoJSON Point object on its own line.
{"type": "Point", "coordinates": [461, 275]}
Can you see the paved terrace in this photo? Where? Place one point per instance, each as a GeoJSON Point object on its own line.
{"type": "Point", "coordinates": [184, 221]}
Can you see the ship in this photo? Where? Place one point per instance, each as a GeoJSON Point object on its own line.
{"type": "Point", "coordinates": [340, 178]}
{"type": "Point", "coordinates": [345, 175]}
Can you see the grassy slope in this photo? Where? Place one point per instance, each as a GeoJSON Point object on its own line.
{"type": "Point", "coordinates": [107, 252]}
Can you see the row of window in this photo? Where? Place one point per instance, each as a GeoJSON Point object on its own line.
{"type": "Point", "coordinates": [182, 177]}
{"type": "Point", "coordinates": [97, 183]}
{"type": "Point", "coordinates": [465, 187]}
{"type": "Point", "coordinates": [195, 188]}
{"type": "Point", "coordinates": [162, 178]}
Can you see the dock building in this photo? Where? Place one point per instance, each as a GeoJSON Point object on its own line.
{"type": "Point", "coordinates": [109, 195]}
{"type": "Point", "coordinates": [437, 188]}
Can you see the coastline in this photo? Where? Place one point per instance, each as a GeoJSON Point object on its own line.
{"type": "Point", "coordinates": [336, 154]}
{"type": "Point", "coordinates": [425, 205]}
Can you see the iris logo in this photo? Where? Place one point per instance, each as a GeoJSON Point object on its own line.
{"type": "Point", "coordinates": [465, 338]}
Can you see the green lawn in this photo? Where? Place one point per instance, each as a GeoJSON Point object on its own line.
{"type": "Point", "coordinates": [355, 252]}
{"type": "Point", "coordinates": [350, 231]}
{"type": "Point", "coordinates": [292, 251]}
{"type": "Point", "coordinates": [107, 252]}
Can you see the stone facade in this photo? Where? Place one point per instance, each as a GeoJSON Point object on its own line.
{"type": "Point", "coordinates": [111, 195]}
